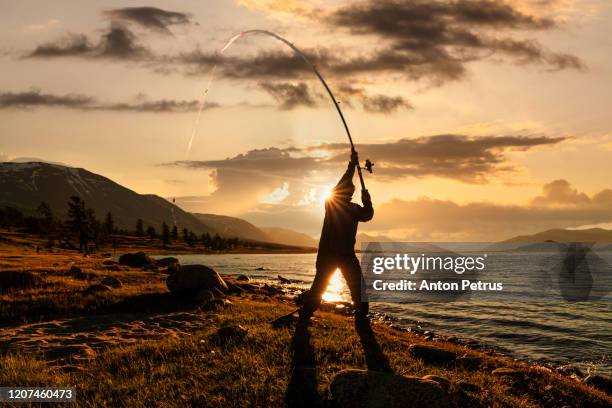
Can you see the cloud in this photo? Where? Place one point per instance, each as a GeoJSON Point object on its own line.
{"type": "Point", "coordinates": [149, 17]}
{"type": "Point", "coordinates": [289, 95]}
{"type": "Point", "coordinates": [117, 43]}
{"type": "Point", "coordinates": [34, 98]}
{"type": "Point", "coordinates": [384, 104]}
{"type": "Point", "coordinates": [560, 192]}
{"type": "Point", "coordinates": [37, 99]}
{"type": "Point", "coordinates": [427, 218]}
{"type": "Point", "coordinates": [459, 157]}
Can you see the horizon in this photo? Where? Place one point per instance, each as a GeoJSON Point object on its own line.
{"type": "Point", "coordinates": [462, 150]}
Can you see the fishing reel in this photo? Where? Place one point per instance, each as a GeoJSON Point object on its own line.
{"type": "Point", "coordinates": [368, 166]}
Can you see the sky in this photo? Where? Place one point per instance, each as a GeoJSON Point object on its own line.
{"type": "Point", "coordinates": [485, 119]}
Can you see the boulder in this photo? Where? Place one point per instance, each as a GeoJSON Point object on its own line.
{"type": "Point", "coordinates": [112, 282]}
{"type": "Point", "coordinates": [76, 272]}
{"type": "Point", "coordinates": [204, 296]}
{"type": "Point", "coordinates": [97, 288]}
{"type": "Point", "coordinates": [242, 278]}
{"type": "Point", "coordinates": [442, 381]}
{"type": "Point", "coordinates": [14, 280]}
{"type": "Point", "coordinates": [284, 280]}
{"type": "Point", "coordinates": [369, 389]}
{"type": "Point", "coordinates": [136, 260]}
{"type": "Point", "coordinates": [193, 278]}
{"type": "Point", "coordinates": [433, 355]}
{"type": "Point", "coordinates": [234, 331]}
{"type": "Point", "coordinates": [507, 372]}
{"type": "Point", "coordinates": [168, 262]}
{"type": "Point", "coordinates": [600, 382]}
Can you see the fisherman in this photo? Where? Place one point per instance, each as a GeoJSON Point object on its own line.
{"type": "Point", "coordinates": [337, 246]}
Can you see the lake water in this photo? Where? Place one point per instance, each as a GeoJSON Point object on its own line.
{"type": "Point", "coordinates": [527, 327]}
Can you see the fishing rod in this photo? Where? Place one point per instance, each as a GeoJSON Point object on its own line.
{"type": "Point", "coordinates": [368, 164]}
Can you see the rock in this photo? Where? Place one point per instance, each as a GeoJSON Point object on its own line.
{"type": "Point", "coordinates": [443, 381]}
{"type": "Point", "coordinates": [15, 280]}
{"type": "Point", "coordinates": [242, 278]}
{"type": "Point", "coordinates": [468, 387]}
{"type": "Point", "coordinates": [112, 282]}
{"type": "Point", "coordinates": [235, 331]}
{"type": "Point", "coordinates": [570, 371]}
{"type": "Point", "coordinates": [215, 304]}
{"type": "Point", "coordinates": [193, 278]}
{"type": "Point", "coordinates": [433, 355]}
{"type": "Point", "coordinates": [301, 298]}
{"type": "Point", "coordinates": [261, 268]}
{"type": "Point", "coordinates": [169, 262]}
{"type": "Point", "coordinates": [204, 296]}
{"type": "Point", "coordinates": [469, 362]}
{"type": "Point", "coordinates": [284, 280]}
{"type": "Point", "coordinates": [109, 262]}
{"type": "Point", "coordinates": [136, 260]}
{"type": "Point", "coordinates": [507, 372]}
{"type": "Point", "coordinates": [97, 288]}
{"type": "Point", "coordinates": [361, 388]}
{"type": "Point", "coordinates": [600, 382]}
{"type": "Point", "coordinates": [234, 288]}
{"type": "Point", "coordinates": [76, 272]}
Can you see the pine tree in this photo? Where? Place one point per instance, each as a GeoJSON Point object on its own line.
{"type": "Point", "coordinates": [109, 224]}
{"type": "Point", "coordinates": [139, 228]}
{"type": "Point", "coordinates": [151, 232]}
{"type": "Point", "coordinates": [47, 222]}
{"type": "Point", "coordinates": [165, 234]}
{"type": "Point", "coordinates": [174, 234]}
{"type": "Point", "coordinates": [185, 234]}
{"type": "Point", "coordinates": [77, 221]}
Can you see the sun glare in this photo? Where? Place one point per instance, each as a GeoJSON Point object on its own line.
{"type": "Point", "coordinates": [335, 288]}
{"type": "Point", "coordinates": [327, 193]}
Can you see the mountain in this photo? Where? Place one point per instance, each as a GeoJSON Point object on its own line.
{"type": "Point", "coordinates": [237, 227]}
{"type": "Point", "coordinates": [289, 237]}
{"type": "Point", "coordinates": [25, 185]}
{"type": "Point", "coordinates": [233, 227]}
{"type": "Point", "coordinates": [546, 240]}
{"type": "Point", "coordinates": [565, 235]}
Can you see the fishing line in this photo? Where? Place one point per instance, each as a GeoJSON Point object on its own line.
{"type": "Point", "coordinates": [307, 61]}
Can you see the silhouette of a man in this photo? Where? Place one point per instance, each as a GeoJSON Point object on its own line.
{"type": "Point", "coordinates": [337, 244]}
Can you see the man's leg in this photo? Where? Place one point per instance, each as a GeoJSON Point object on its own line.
{"type": "Point", "coordinates": [325, 268]}
{"type": "Point", "coordinates": [351, 269]}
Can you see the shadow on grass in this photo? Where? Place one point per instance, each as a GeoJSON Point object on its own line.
{"type": "Point", "coordinates": [302, 388]}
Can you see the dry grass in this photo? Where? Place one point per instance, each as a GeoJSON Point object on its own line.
{"type": "Point", "coordinates": [197, 370]}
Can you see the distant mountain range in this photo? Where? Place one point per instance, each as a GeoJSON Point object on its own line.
{"type": "Point", "coordinates": [601, 238]}
{"type": "Point", "coordinates": [237, 227]}
{"type": "Point", "coordinates": [25, 185]}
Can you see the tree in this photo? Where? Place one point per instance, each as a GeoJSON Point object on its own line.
{"type": "Point", "coordinates": [206, 240]}
{"type": "Point", "coordinates": [165, 234]}
{"type": "Point", "coordinates": [78, 221]}
{"type": "Point", "coordinates": [48, 225]}
{"type": "Point", "coordinates": [109, 224]}
{"type": "Point", "coordinates": [139, 228]}
{"type": "Point", "coordinates": [185, 234]}
{"type": "Point", "coordinates": [174, 233]}
{"type": "Point", "coordinates": [151, 232]}
{"type": "Point", "coordinates": [193, 239]}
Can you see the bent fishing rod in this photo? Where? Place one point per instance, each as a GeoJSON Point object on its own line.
{"type": "Point", "coordinates": [368, 164]}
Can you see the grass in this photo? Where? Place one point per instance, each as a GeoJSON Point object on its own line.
{"type": "Point", "coordinates": [198, 369]}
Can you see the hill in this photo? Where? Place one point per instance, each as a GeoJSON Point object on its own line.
{"type": "Point", "coordinates": [237, 227]}
{"type": "Point", "coordinates": [599, 235]}
{"type": "Point", "coordinates": [289, 237]}
{"type": "Point", "coordinates": [232, 226]}
{"type": "Point", "coordinates": [25, 185]}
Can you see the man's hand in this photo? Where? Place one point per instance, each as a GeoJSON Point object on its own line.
{"type": "Point", "coordinates": [365, 196]}
{"type": "Point", "coordinates": [354, 158]}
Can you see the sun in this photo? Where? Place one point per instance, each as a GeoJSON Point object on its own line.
{"type": "Point", "coordinates": [327, 194]}
{"type": "Point", "coordinates": [335, 288]}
